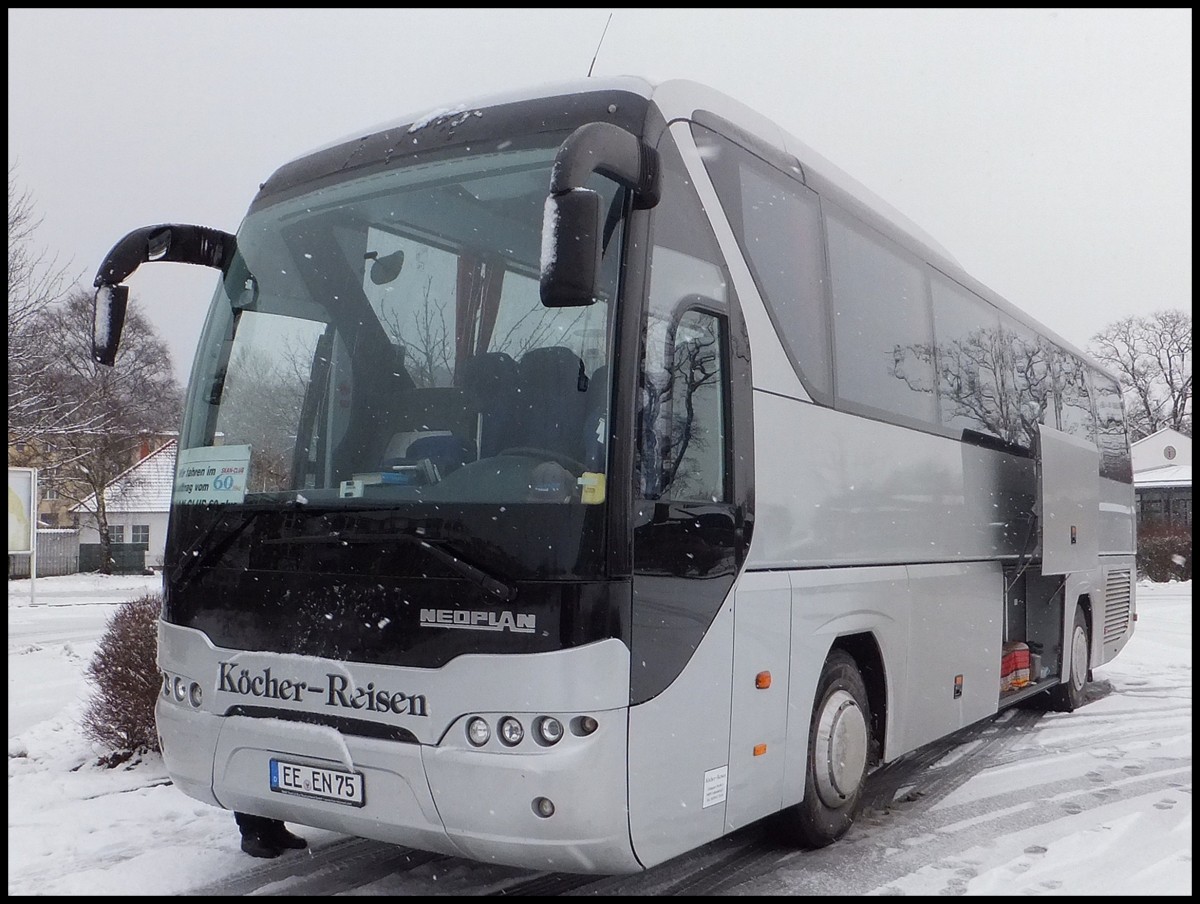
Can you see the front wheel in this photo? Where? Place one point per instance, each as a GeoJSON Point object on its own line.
{"type": "Point", "coordinates": [839, 741]}
{"type": "Point", "coordinates": [1068, 696]}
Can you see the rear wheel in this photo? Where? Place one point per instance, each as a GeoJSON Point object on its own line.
{"type": "Point", "coordinates": [839, 741]}
{"type": "Point", "coordinates": [1068, 696]}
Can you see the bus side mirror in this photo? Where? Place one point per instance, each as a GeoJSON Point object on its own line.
{"type": "Point", "coordinates": [571, 232]}
{"type": "Point", "coordinates": [167, 242]}
{"type": "Point", "coordinates": [572, 228]}
{"type": "Point", "coordinates": [108, 320]}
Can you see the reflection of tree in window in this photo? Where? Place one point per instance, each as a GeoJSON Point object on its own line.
{"type": "Point", "coordinates": [997, 381]}
{"type": "Point", "coordinates": [261, 407]}
{"type": "Point", "coordinates": [968, 380]}
{"type": "Point", "coordinates": [1115, 462]}
{"type": "Point", "coordinates": [540, 327]}
{"type": "Point", "coordinates": [412, 307]}
{"type": "Point", "coordinates": [997, 377]}
{"type": "Point", "coordinates": [683, 414]}
{"type": "Point", "coordinates": [1073, 397]}
{"type": "Point", "coordinates": [424, 327]}
{"type": "Point", "coordinates": [680, 444]}
{"type": "Point", "coordinates": [1027, 383]}
{"type": "Point", "coordinates": [425, 338]}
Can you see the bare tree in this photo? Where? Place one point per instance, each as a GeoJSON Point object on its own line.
{"type": "Point", "coordinates": [537, 327]}
{"type": "Point", "coordinates": [36, 282]}
{"type": "Point", "coordinates": [429, 346]}
{"type": "Point", "coordinates": [1152, 357]}
{"type": "Point", "coordinates": [123, 403]}
{"type": "Point", "coordinates": [261, 405]}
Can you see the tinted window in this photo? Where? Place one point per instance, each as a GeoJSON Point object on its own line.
{"type": "Point", "coordinates": [681, 442]}
{"type": "Point", "coordinates": [1115, 462]}
{"type": "Point", "coordinates": [777, 223]}
{"type": "Point", "coordinates": [967, 335]}
{"type": "Point", "coordinates": [689, 413]}
{"type": "Point", "coordinates": [1027, 375]}
{"type": "Point", "coordinates": [1073, 397]}
{"type": "Point", "coordinates": [998, 377]}
{"type": "Point", "coordinates": [880, 324]}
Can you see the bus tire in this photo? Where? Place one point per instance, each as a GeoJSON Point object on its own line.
{"type": "Point", "coordinates": [1068, 696]}
{"type": "Point", "coordinates": [839, 742]}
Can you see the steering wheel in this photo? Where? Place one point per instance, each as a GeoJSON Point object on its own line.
{"type": "Point", "coordinates": [566, 461]}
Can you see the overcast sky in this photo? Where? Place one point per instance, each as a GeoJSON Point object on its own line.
{"type": "Point", "coordinates": [1049, 151]}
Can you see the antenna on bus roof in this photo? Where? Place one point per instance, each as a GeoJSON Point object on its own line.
{"type": "Point", "coordinates": [598, 43]}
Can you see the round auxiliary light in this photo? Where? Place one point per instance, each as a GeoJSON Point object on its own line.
{"type": "Point", "coordinates": [478, 732]}
{"type": "Point", "coordinates": [549, 729]}
{"type": "Point", "coordinates": [166, 685]}
{"type": "Point", "coordinates": [195, 695]}
{"type": "Point", "coordinates": [587, 725]}
{"type": "Point", "coordinates": [543, 807]}
{"type": "Point", "coordinates": [511, 731]}
{"type": "Point", "coordinates": [180, 689]}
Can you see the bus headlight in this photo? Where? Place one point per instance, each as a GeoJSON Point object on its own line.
{"type": "Point", "coordinates": [549, 730]}
{"type": "Point", "coordinates": [195, 695]}
{"type": "Point", "coordinates": [180, 689]}
{"type": "Point", "coordinates": [478, 732]}
{"type": "Point", "coordinates": [511, 731]}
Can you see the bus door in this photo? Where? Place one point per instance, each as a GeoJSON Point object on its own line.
{"type": "Point", "coordinates": [690, 515]}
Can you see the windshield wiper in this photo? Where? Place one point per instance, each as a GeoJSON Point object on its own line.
{"type": "Point", "coordinates": [199, 552]}
{"type": "Point", "coordinates": [503, 592]}
{"type": "Point", "coordinates": [490, 584]}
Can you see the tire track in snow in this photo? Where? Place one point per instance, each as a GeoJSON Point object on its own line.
{"type": "Point", "coordinates": [342, 866]}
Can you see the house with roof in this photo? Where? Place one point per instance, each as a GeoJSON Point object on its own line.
{"type": "Point", "coordinates": [1162, 478]}
{"type": "Point", "coordinates": [47, 451]}
{"type": "Point", "coordinates": [137, 501]}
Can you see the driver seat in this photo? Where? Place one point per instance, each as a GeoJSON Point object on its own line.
{"type": "Point", "coordinates": [552, 400]}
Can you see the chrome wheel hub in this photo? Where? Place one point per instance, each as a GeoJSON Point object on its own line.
{"type": "Point", "coordinates": [1079, 658]}
{"type": "Point", "coordinates": [840, 751]}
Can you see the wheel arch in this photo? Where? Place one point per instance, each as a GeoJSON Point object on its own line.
{"type": "Point", "coordinates": [1084, 602]}
{"type": "Point", "coordinates": [868, 657]}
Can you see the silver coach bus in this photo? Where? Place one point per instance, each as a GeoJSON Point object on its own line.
{"type": "Point", "coordinates": [570, 479]}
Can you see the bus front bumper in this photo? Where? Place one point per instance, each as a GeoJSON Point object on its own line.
{"type": "Point", "coordinates": [451, 798]}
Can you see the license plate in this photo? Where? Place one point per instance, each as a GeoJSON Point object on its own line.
{"type": "Point", "coordinates": [313, 781]}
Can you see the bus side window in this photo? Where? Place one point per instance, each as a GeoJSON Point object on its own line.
{"type": "Point", "coordinates": [776, 221]}
{"type": "Point", "coordinates": [1115, 462]}
{"type": "Point", "coordinates": [684, 424]}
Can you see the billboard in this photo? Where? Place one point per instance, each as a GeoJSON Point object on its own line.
{"type": "Point", "coordinates": [22, 512]}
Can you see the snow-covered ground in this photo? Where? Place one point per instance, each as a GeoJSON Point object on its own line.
{"type": "Point", "coordinates": [1115, 815]}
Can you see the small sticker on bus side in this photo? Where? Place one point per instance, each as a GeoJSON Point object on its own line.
{"type": "Point", "coordinates": [211, 474]}
{"type": "Point", "coordinates": [714, 786]}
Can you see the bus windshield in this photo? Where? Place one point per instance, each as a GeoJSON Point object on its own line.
{"type": "Point", "coordinates": [379, 341]}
